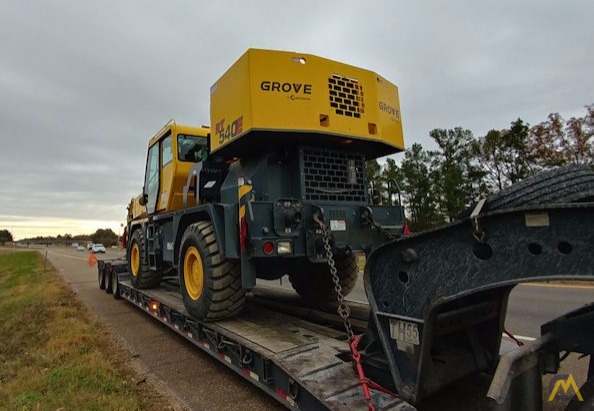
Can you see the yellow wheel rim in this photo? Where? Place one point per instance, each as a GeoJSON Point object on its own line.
{"type": "Point", "coordinates": [135, 259]}
{"type": "Point", "coordinates": [193, 273]}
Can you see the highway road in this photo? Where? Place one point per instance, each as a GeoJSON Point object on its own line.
{"type": "Point", "coordinates": [529, 306]}
{"type": "Point", "coordinates": [533, 304]}
{"type": "Point", "coordinates": [193, 380]}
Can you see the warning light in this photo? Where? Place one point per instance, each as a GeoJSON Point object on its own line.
{"type": "Point", "coordinates": [268, 248]}
{"type": "Point", "coordinates": [154, 305]}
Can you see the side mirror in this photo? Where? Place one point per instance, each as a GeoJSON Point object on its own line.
{"type": "Point", "coordinates": [143, 199]}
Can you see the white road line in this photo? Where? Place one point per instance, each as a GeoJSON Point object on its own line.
{"type": "Point", "coordinates": [520, 337]}
{"type": "Point", "coordinates": [558, 285]}
{"type": "Point", "coordinates": [67, 256]}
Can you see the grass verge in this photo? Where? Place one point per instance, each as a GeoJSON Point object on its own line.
{"type": "Point", "coordinates": [52, 354]}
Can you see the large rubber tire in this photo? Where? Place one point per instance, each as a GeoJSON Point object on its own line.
{"type": "Point", "coordinates": [101, 276]}
{"type": "Point", "coordinates": [107, 275]}
{"type": "Point", "coordinates": [568, 184]}
{"type": "Point", "coordinates": [210, 284]}
{"type": "Point", "coordinates": [115, 285]}
{"type": "Point", "coordinates": [141, 276]}
{"type": "Point", "coordinates": [314, 282]}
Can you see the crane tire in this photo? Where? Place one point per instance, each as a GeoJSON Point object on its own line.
{"type": "Point", "coordinates": [141, 276]}
{"type": "Point", "coordinates": [314, 283]}
{"type": "Point", "coordinates": [348, 273]}
{"type": "Point", "coordinates": [210, 284]}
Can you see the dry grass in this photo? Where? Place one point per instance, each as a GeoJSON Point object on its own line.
{"type": "Point", "coordinates": [52, 355]}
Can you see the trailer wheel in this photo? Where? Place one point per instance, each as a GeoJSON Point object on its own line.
{"type": "Point", "coordinates": [141, 276]}
{"type": "Point", "coordinates": [210, 284]}
{"type": "Point", "coordinates": [101, 276]}
{"type": "Point", "coordinates": [568, 184]}
{"type": "Point", "coordinates": [107, 275]}
{"type": "Point", "coordinates": [115, 286]}
{"type": "Point", "coordinates": [314, 283]}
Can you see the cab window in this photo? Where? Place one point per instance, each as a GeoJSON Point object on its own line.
{"type": "Point", "coordinates": [151, 183]}
{"type": "Point", "coordinates": [191, 148]}
{"type": "Point", "coordinates": [166, 153]}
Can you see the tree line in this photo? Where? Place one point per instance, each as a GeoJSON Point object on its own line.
{"type": "Point", "coordinates": [102, 236]}
{"type": "Point", "coordinates": [436, 185]}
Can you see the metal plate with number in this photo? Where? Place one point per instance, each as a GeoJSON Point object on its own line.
{"type": "Point", "coordinates": [337, 225]}
{"type": "Point", "coordinates": [404, 331]}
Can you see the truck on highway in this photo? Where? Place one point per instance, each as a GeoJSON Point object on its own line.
{"type": "Point", "coordinates": [277, 187]}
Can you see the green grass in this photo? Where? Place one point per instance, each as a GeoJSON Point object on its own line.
{"type": "Point", "coordinates": [52, 355]}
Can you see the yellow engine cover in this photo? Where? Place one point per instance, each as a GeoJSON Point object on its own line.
{"type": "Point", "coordinates": [284, 92]}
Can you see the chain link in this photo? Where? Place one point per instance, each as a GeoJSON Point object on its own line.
{"type": "Point", "coordinates": [343, 309]}
{"type": "Point", "coordinates": [345, 313]}
{"type": "Point", "coordinates": [376, 227]}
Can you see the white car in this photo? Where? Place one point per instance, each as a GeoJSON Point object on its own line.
{"type": "Point", "coordinates": [98, 248]}
{"type": "Point", "coordinates": [80, 248]}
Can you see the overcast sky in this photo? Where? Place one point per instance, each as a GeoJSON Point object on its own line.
{"type": "Point", "coordinates": [84, 85]}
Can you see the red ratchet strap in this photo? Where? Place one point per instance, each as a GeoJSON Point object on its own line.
{"type": "Point", "coordinates": [510, 335]}
{"type": "Point", "coordinates": [366, 383]}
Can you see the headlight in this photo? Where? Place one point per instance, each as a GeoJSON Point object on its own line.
{"type": "Point", "coordinates": [284, 247]}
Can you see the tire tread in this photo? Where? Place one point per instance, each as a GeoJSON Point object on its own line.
{"type": "Point", "coordinates": [224, 296]}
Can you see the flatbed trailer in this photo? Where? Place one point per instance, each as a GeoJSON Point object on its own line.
{"type": "Point", "coordinates": [301, 357]}
{"type": "Point", "coordinates": [284, 355]}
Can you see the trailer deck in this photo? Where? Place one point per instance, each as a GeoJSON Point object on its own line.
{"type": "Point", "coordinates": [284, 355]}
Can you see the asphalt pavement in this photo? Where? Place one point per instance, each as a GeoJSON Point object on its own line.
{"type": "Point", "coordinates": [531, 305]}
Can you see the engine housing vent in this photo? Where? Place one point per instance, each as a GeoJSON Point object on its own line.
{"type": "Point", "coordinates": [346, 96]}
{"type": "Point", "coordinates": [332, 175]}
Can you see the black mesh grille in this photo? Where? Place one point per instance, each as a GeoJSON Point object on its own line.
{"type": "Point", "coordinates": [331, 175]}
{"type": "Point", "coordinates": [346, 96]}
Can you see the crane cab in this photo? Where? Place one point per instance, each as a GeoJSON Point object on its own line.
{"type": "Point", "coordinates": [171, 154]}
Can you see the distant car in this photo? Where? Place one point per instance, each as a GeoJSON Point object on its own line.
{"type": "Point", "coordinates": [80, 248]}
{"type": "Point", "coordinates": [89, 246]}
{"type": "Point", "coordinates": [98, 248]}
